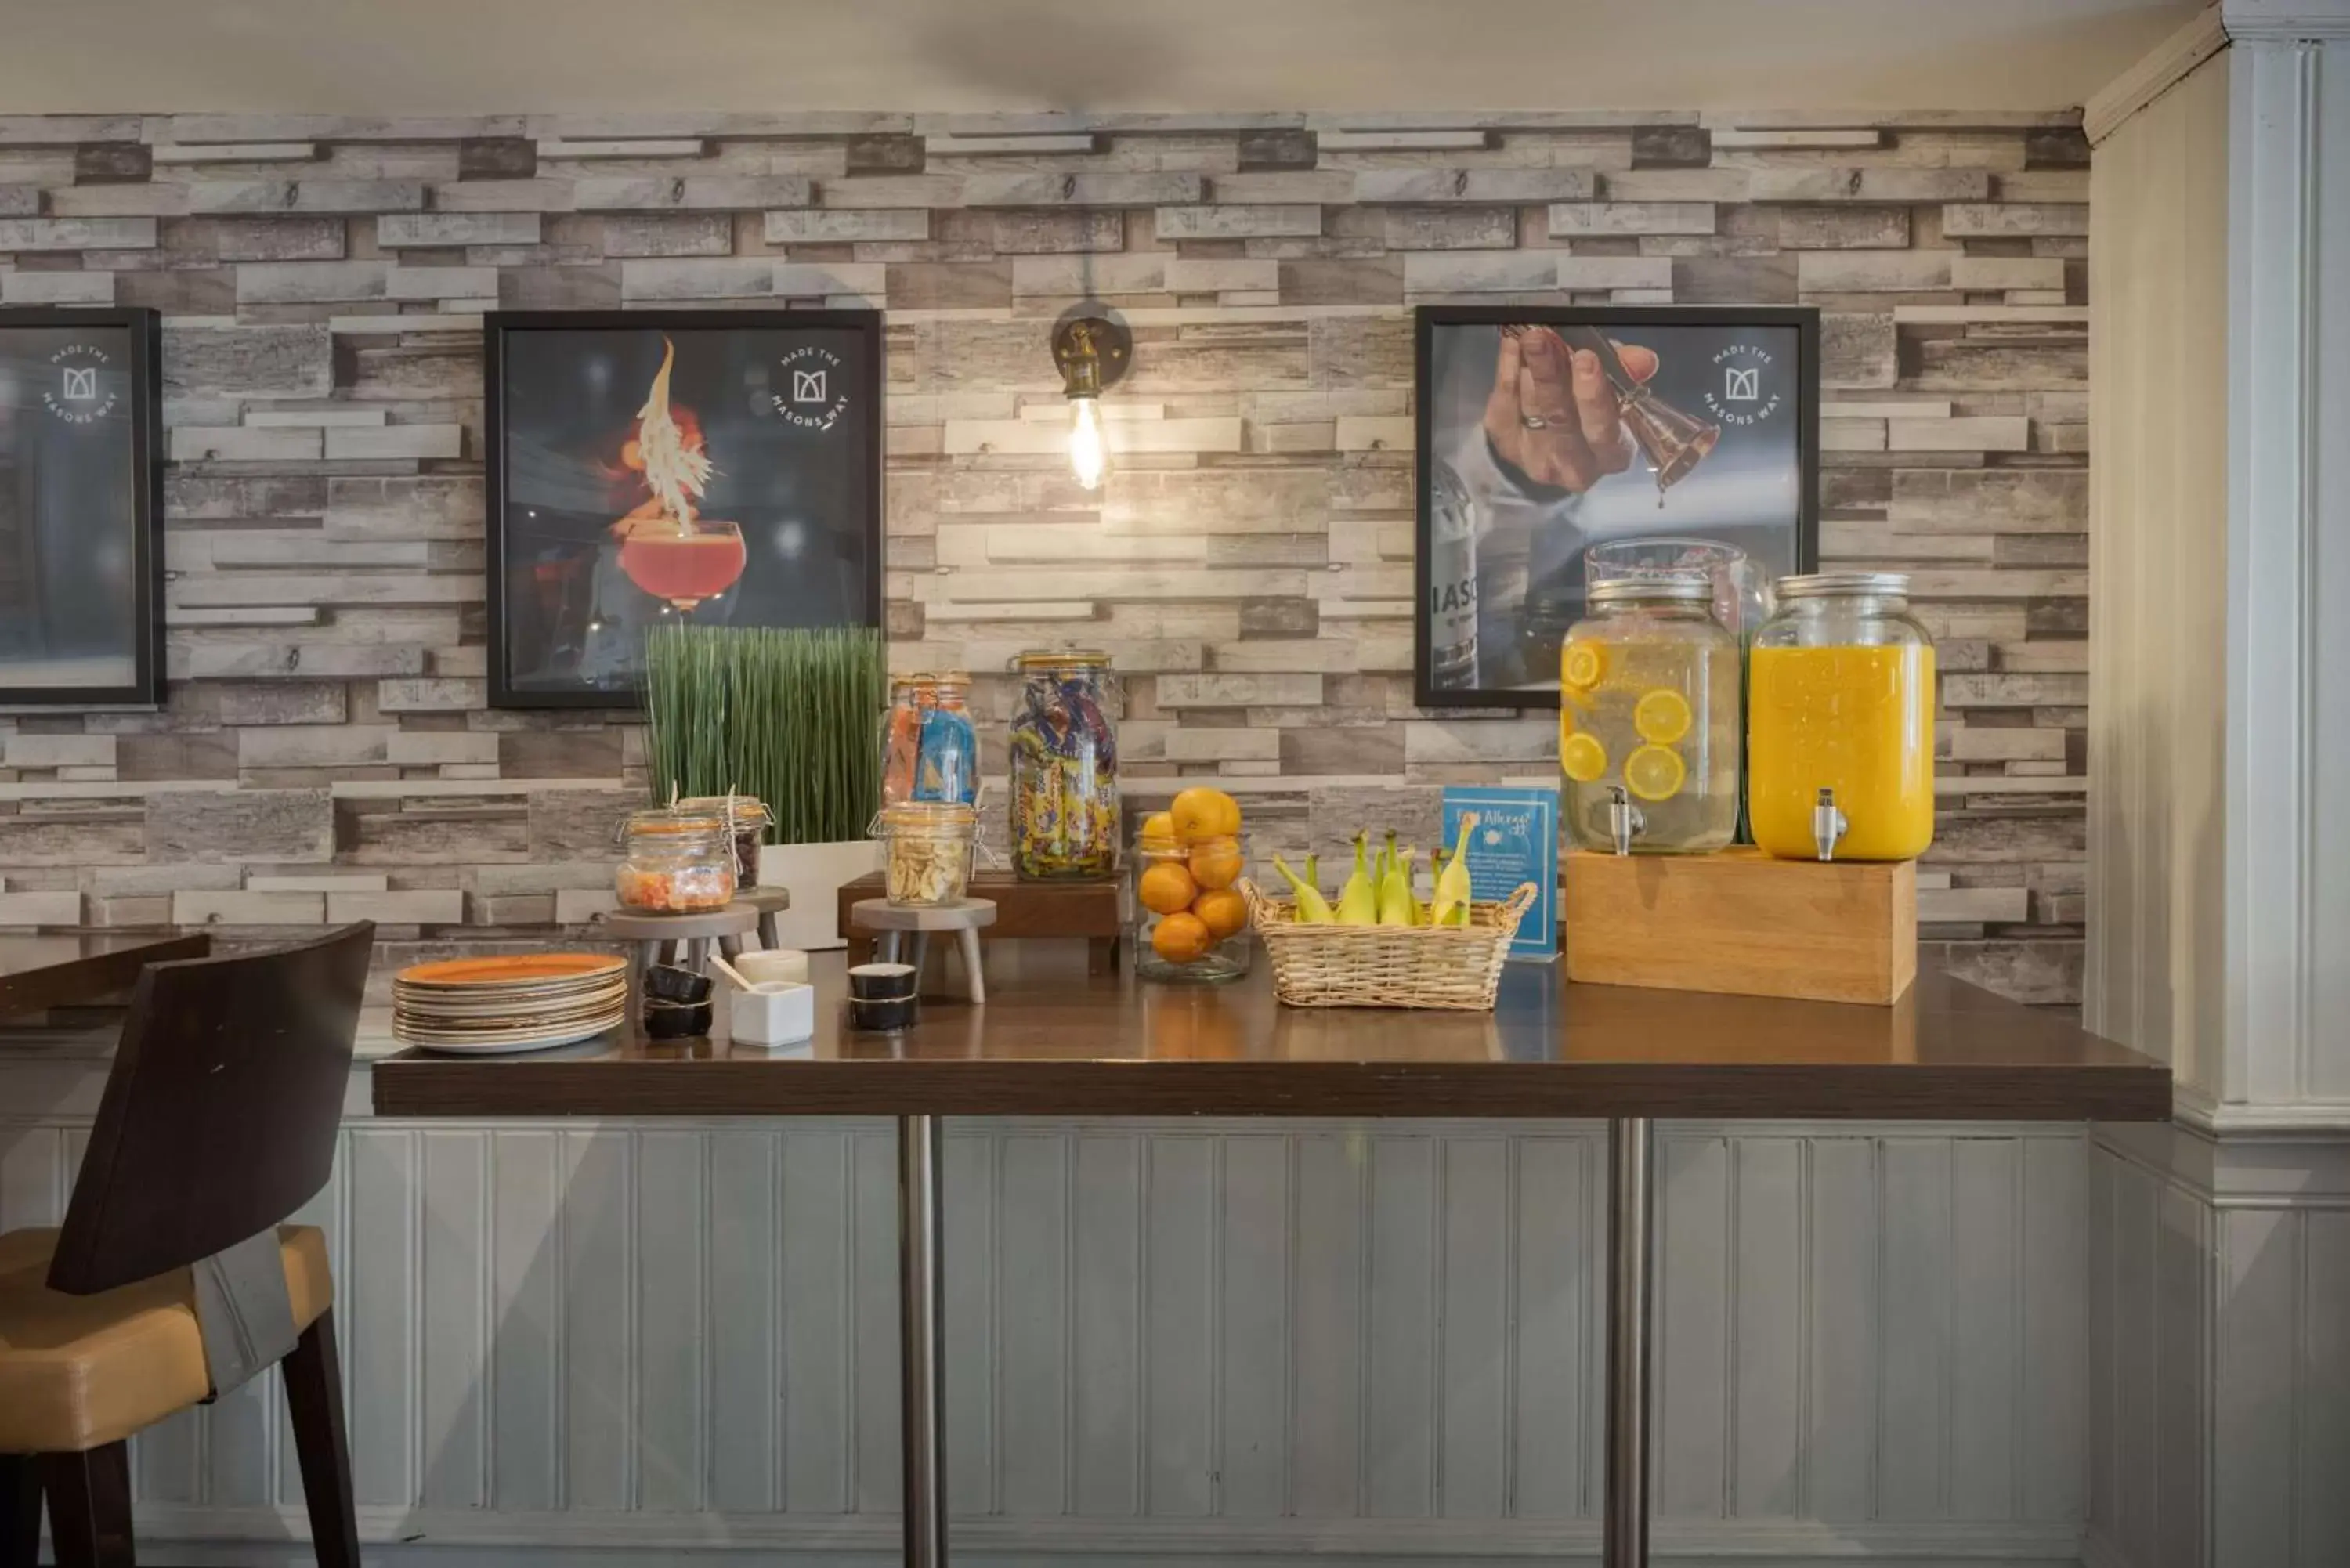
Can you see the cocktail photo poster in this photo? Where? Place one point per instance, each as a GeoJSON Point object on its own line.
{"type": "Point", "coordinates": [715, 468]}
{"type": "Point", "coordinates": [1551, 437]}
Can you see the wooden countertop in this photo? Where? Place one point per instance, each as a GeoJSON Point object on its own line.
{"type": "Point", "coordinates": [1110, 1045]}
{"type": "Point", "coordinates": [38, 972]}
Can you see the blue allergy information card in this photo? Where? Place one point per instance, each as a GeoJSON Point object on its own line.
{"type": "Point", "coordinates": [1515, 840]}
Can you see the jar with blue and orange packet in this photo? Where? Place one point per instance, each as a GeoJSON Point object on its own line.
{"type": "Point", "coordinates": [930, 750]}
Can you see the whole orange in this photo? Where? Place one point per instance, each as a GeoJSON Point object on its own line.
{"type": "Point", "coordinates": [1157, 831]}
{"type": "Point", "coordinates": [1200, 812]}
{"type": "Point", "coordinates": [1222, 910]}
{"type": "Point", "coordinates": [1217, 863]}
{"type": "Point", "coordinates": [1166, 888]}
{"type": "Point", "coordinates": [1181, 938]}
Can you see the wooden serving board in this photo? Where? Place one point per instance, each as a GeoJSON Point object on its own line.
{"type": "Point", "coordinates": [1742, 924]}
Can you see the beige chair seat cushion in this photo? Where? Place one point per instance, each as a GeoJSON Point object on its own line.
{"type": "Point", "coordinates": [78, 1371]}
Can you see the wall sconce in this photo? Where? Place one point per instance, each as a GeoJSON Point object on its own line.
{"type": "Point", "coordinates": [1093, 349]}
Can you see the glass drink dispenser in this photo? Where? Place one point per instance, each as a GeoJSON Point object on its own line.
{"type": "Point", "coordinates": [1647, 719]}
{"type": "Point", "coordinates": [1840, 750]}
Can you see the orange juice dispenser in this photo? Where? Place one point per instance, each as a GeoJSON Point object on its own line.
{"type": "Point", "coordinates": [1840, 743]}
{"type": "Point", "coordinates": [1647, 719]}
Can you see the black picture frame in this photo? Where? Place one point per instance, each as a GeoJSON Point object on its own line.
{"type": "Point", "coordinates": [143, 329]}
{"type": "Point", "coordinates": [500, 327]}
{"type": "Point", "coordinates": [1428, 319]}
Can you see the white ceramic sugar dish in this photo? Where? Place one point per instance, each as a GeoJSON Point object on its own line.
{"type": "Point", "coordinates": [773, 1012]}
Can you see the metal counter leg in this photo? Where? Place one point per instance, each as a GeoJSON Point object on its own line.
{"type": "Point", "coordinates": [1631, 1169]}
{"type": "Point", "coordinates": [922, 1374]}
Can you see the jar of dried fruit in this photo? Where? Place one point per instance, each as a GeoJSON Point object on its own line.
{"type": "Point", "coordinates": [926, 852]}
{"type": "Point", "coordinates": [676, 862]}
{"type": "Point", "coordinates": [745, 820]}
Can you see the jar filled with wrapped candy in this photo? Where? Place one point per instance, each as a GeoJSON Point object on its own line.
{"type": "Point", "coordinates": [1065, 818]}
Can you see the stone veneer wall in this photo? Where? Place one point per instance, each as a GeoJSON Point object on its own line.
{"type": "Point", "coordinates": [326, 752]}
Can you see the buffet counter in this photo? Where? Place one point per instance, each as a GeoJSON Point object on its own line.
{"type": "Point", "coordinates": [1109, 1046]}
{"type": "Point", "coordinates": [1106, 1046]}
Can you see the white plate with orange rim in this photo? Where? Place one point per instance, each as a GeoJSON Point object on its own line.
{"type": "Point", "coordinates": [512, 971]}
{"type": "Point", "coordinates": [463, 1002]}
{"type": "Point", "coordinates": [422, 1030]}
{"type": "Point", "coordinates": [507, 1020]}
{"type": "Point", "coordinates": [503, 1006]}
{"type": "Point", "coordinates": [487, 996]}
{"type": "Point", "coordinates": [509, 1042]}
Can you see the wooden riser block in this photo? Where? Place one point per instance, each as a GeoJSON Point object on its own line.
{"type": "Point", "coordinates": [1742, 924]}
{"type": "Point", "coordinates": [1090, 910]}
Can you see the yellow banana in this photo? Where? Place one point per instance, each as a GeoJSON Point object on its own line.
{"type": "Point", "coordinates": [1451, 905]}
{"type": "Point", "coordinates": [1358, 904]}
{"type": "Point", "coordinates": [1313, 909]}
{"type": "Point", "coordinates": [1395, 887]}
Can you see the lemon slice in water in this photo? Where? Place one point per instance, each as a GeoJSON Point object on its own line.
{"type": "Point", "coordinates": [1662, 715]}
{"type": "Point", "coordinates": [1582, 757]}
{"type": "Point", "coordinates": [1583, 666]}
{"type": "Point", "coordinates": [1654, 773]}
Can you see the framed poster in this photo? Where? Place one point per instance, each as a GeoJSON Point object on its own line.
{"type": "Point", "coordinates": [722, 467]}
{"type": "Point", "coordinates": [1545, 432]}
{"type": "Point", "coordinates": [81, 508]}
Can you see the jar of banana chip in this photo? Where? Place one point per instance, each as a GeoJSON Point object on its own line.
{"type": "Point", "coordinates": [926, 852]}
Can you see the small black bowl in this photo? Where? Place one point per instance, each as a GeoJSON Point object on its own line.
{"type": "Point", "coordinates": [881, 981]}
{"type": "Point", "coordinates": [881, 1015]}
{"type": "Point", "coordinates": [669, 982]}
{"type": "Point", "coordinates": [676, 1020]}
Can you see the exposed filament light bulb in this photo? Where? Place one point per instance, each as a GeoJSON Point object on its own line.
{"type": "Point", "coordinates": [1086, 451]}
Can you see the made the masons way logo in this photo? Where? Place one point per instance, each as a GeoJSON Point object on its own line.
{"type": "Point", "coordinates": [808, 398]}
{"type": "Point", "coordinates": [78, 396]}
{"type": "Point", "coordinates": [1748, 392]}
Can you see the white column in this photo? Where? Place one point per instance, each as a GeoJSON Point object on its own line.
{"type": "Point", "coordinates": [2220, 550]}
{"type": "Point", "coordinates": [2288, 1052]}
{"type": "Point", "coordinates": [2220, 838]}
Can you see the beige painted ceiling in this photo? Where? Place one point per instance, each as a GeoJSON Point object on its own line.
{"type": "Point", "coordinates": [457, 57]}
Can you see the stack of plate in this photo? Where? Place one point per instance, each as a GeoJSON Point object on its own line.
{"type": "Point", "coordinates": [527, 1002]}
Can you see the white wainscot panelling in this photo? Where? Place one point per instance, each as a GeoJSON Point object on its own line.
{"type": "Point", "coordinates": [1213, 1337]}
{"type": "Point", "coordinates": [2219, 1380]}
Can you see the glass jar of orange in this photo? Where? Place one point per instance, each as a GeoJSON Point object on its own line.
{"type": "Point", "coordinates": [1190, 922]}
{"type": "Point", "coordinates": [1840, 729]}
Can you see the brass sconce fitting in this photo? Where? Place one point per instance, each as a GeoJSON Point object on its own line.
{"type": "Point", "coordinates": [1093, 349]}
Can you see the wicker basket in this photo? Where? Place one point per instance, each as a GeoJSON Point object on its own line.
{"type": "Point", "coordinates": [1387, 966]}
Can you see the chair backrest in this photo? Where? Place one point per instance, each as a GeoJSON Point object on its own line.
{"type": "Point", "coordinates": [220, 1116]}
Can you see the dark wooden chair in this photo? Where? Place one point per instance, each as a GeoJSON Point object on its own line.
{"type": "Point", "coordinates": [219, 1121]}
